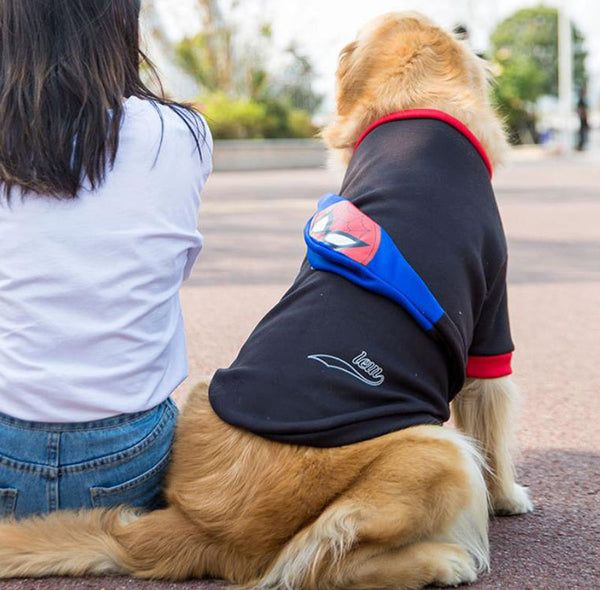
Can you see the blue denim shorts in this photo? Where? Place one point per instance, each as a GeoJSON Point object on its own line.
{"type": "Point", "coordinates": [119, 460]}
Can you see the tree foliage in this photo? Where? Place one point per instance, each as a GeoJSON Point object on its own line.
{"type": "Point", "coordinates": [525, 53]}
{"type": "Point", "coordinates": [237, 82]}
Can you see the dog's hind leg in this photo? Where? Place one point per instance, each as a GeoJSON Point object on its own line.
{"type": "Point", "coordinates": [161, 544]}
{"type": "Point", "coordinates": [416, 516]}
{"type": "Point", "coordinates": [412, 566]}
{"type": "Point", "coordinates": [368, 565]}
{"type": "Point", "coordinates": [485, 410]}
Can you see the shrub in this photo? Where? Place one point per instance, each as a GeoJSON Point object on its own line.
{"type": "Point", "coordinates": [300, 124]}
{"type": "Point", "coordinates": [234, 118]}
{"type": "Point", "coordinates": [241, 118]}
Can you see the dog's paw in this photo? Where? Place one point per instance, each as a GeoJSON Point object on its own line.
{"type": "Point", "coordinates": [455, 567]}
{"type": "Point", "coordinates": [517, 502]}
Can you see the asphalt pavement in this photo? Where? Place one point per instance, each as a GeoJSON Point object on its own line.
{"type": "Point", "coordinates": [253, 224]}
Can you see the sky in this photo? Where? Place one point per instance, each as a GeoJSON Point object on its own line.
{"type": "Point", "coordinates": [323, 27]}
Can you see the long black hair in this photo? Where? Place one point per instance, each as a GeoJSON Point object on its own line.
{"type": "Point", "coordinates": [66, 67]}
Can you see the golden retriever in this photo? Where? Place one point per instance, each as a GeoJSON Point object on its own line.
{"type": "Point", "coordinates": [402, 510]}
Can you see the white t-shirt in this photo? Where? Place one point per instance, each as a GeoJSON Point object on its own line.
{"type": "Point", "coordinates": [90, 319]}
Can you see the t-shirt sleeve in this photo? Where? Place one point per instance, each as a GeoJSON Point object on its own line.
{"type": "Point", "coordinates": [490, 354]}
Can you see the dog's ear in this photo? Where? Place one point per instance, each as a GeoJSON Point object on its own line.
{"type": "Point", "coordinates": [346, 78]}
{"type": "Point", "coordinates": [345, 58]}
{"type": "Point", "coordinates": [337, 135]}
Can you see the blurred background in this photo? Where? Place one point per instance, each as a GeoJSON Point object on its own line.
{"type": "Point", "coordinates": [265, 68]}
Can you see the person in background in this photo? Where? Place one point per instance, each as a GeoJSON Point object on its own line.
{"type": "Point", "coordinates": [100, 182]}
{"type": "Point", "coordinates": [582, 113]}
{"type": "Point", "coordinates": [461, 32]}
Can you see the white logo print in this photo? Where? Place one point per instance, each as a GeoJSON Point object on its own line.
{"type": "Point", "coordinates": [372, 373]}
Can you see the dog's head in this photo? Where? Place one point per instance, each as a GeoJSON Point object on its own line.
{"type": "Point", "coordinates": [403, 61]}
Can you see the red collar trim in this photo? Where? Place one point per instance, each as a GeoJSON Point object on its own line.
{"type": "Point", "coordinates": [431, 114]}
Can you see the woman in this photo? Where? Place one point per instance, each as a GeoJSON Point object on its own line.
{"type": "Point", "coordinates": [100, 184]}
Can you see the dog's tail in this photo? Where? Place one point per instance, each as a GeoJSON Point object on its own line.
{"type": "Point", "coordinates": [160, 544]}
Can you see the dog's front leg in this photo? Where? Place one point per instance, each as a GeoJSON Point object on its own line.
{"type": "Point", "coordinates": [485, 410]}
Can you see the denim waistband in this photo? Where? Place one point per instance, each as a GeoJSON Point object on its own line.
{"type": "Point", "coordinates": [104, 423]}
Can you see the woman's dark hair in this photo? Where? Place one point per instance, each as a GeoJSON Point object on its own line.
{"type": "Point", "coordinates": [66, 67]}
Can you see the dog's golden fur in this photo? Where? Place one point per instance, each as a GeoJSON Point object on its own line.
{"type": "Point", "coordinates": [399, 511]}
{"type": "Point", "coordinates": [402, 61]}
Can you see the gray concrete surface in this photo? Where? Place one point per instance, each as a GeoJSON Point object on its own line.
{"type": "Point", "coordinates": [551, 208]}
{"type": "Point", "coordinates": [268, 154]}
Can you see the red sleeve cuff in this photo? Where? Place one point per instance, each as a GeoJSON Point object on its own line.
{"type": "Point", "coordinates": [489, 367]}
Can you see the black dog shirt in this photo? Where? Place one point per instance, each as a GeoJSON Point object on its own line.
{"type": "Point", "coordinates": [402, 294]}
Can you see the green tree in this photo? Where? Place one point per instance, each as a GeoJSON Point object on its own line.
{"type": "Point", "coordinates": [525, 54]}
{"type": "Point", "coordinates": [198, 57]}
{"type": "Point", "coordinates": [243, 98]}
{"type": "Point", "coordinates": [296, 84]}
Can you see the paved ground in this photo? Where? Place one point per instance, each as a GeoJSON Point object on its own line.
{"type": "Point", "coordinates": [252, 223]}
